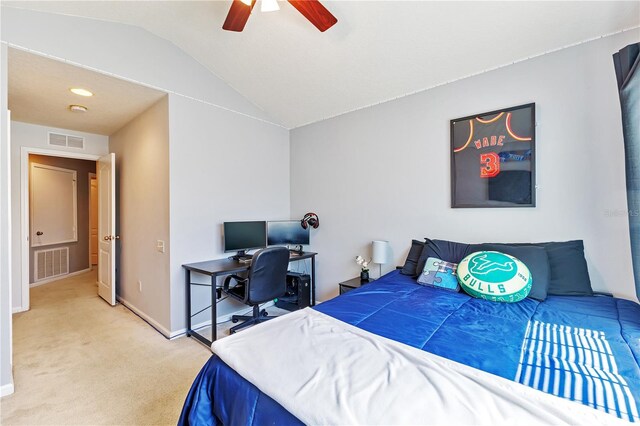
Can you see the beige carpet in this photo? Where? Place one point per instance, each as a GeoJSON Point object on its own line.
{"type": "Point", "coordinates": [78, 360]}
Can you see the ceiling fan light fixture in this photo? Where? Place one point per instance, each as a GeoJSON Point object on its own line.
{"type": "Point", "coordinates": [269, 6]}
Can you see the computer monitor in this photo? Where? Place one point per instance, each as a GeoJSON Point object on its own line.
{"type": "Point", "coordinates": [243, 236]}
{"type": "Point", "coordinates": [287, 232]}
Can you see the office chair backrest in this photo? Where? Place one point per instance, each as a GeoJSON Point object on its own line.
{"type": "Point", "coordinates": [268, 275]}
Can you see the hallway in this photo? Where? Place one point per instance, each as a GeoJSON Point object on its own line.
{"type": "Point", "coordinates": [79, 361]}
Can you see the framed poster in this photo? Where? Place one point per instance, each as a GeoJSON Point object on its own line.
{"type": "Point", "coordinates": [493, 159]}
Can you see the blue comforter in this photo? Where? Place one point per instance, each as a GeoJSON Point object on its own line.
{"type": "Point", "coordinates": [585, 349]}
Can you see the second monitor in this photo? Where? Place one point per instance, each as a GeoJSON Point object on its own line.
{"type": "Point", "coordinates": [287, 232]}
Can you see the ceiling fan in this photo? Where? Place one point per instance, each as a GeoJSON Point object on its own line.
{"type": "Point", "coordinates": [315, 12]}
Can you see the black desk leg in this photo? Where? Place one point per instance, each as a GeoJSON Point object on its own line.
{"type": "Point", "coordinates": [313, 281]}
{"type": "Point", "coordinates": [188, 286]}
{"type": "Point", "coordinates": [214, 309]}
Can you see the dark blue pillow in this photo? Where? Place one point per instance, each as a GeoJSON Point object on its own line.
{"type": "Point", "coordinates": [569, 271]}
{"type": "Point", "coordinates": [534, 257]}
{"type": "Point", "coordinates": [448, 251]}
{"type": "Point", "coordinates": [411, 263]}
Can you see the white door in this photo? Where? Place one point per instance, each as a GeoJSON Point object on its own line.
{"type": "Point", "coordinates": [107, 228]}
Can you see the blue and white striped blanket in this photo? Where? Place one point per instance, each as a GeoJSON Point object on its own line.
{"type": "Point", "coordinates": [578, 364]}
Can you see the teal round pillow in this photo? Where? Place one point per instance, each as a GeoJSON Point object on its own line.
{"type": "Point", "coordinates": [494, 276]}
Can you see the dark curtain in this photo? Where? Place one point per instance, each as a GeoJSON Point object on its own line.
{"type": "Point", "coordinates": [627, 62]}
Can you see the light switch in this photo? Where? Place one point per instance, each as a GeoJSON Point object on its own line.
{"type": "Point", "coordinates": [160, 246]}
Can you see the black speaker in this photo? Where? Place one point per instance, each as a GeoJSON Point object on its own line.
{"type": "Point", "coordinates": [298, 292]}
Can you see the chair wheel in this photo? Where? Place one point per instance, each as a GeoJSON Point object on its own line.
{"type": "Point", "coordinates": [234, 320]}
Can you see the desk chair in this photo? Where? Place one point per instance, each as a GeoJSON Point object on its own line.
{"type": "Point", "coordinates": [266, 281]}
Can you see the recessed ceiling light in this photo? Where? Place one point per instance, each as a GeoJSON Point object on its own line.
{"type": "Point", "coordinates": [78, 108]}
{"type": "Point", "coordinates": [81, 92]}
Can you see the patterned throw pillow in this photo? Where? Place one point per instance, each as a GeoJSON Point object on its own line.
{"type": "Point", "coordinates": [441, 274]}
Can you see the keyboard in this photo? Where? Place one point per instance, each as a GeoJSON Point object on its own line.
{"type": "Point", "coordinates": [244, 259]}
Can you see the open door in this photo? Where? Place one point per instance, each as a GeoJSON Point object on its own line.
{"type": "Point", "coordinates": [107, 228]}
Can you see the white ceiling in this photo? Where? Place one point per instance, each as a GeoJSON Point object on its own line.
{"type": "Point", "coordinates": [39, 94]}
{"type": "Point", "coordinates": [378, 50]}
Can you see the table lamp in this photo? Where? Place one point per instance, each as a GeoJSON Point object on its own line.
{"type": "Point", "coordinates": [380, 254]}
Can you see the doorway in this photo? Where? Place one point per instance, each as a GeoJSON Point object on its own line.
{"type": "Point", "coordinates": [107, 103]}
{"type": "Point", "coordinates": [59, 195]}
{"type": "Point", "coordinates": [103, 169]}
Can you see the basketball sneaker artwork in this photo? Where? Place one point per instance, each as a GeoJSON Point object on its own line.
{"type": "Point", "coordinates": [493, 158]}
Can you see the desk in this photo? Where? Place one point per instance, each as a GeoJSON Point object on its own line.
{"type": "Point", "coordinates": [216, 268]}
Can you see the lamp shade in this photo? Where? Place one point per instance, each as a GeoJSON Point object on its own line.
{"type": "Point", "coordinates": [380, 251]}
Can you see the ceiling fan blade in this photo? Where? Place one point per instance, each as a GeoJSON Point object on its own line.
{"type": "Point", "coordinates": [238, 15]}
{"type": "Point", "coordinates": [316, 13]}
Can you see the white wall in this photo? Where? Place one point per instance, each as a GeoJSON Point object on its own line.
{"type": "Point", "coordinates": [35, 136]}
{"type": "Point", "coordinates": [6, 376]}
{"type": "Point", "coordinates": [384, 172]}
{"type": "Point", "coordinates": [142, 180]}
{"type": "Point", "coordinates": [224, 167]}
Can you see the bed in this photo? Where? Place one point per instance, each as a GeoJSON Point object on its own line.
{"type": "Point", "coordinates": [583, 349]}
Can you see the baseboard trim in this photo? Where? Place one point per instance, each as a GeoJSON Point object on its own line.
{"type": "Point", "coordinates": [7, 389]}
{"type": "Point", "coordinates": [223, 318]}
{"type": "Point", "coordinates": [60, 277]}
{"type": "Point", "coordinates": [146, 318]}
{"type": "Point", "coordinates": [18, 309]}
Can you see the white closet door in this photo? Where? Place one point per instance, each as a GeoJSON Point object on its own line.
{"type": "Point", "coordinates": [53, 205]}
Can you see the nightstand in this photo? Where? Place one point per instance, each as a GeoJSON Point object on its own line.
{"type": "Point", "coordinates": [346, 286]}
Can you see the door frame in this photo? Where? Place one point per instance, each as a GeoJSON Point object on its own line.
{"type": "Point", "coordinates": [91, 176]}
{"type": "Point", "coordinates": [25, 210]}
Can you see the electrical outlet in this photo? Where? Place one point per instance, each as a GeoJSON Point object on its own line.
{"type": "Point", "coordinates": [160, 246]}
{"type": "Point", "coordinates": [140, 286]}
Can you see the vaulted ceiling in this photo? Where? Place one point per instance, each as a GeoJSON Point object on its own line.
{"type": "Point", "coordinates": [378, 50]}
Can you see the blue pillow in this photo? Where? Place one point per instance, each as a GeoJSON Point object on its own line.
{"type": "Point", "coordinates": [569, 271]}
{"type": "Point", "coordinates": [413, 256]}
{"type": "Point", "coordinates": [534, 257]}
{"type": "Point", "coordinates": [441, 274]}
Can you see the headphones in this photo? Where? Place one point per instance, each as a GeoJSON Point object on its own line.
{"type": "Point", "coordinates": [310, 220]}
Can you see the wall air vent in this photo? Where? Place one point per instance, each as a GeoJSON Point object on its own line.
{"type": "Point", "coordinates": [51, 263]}
{"type": "Point", "coordinates": [57, 139]}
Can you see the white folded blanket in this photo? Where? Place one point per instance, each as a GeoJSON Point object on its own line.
{"type": "Point", "coordinates": [324, 371]}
